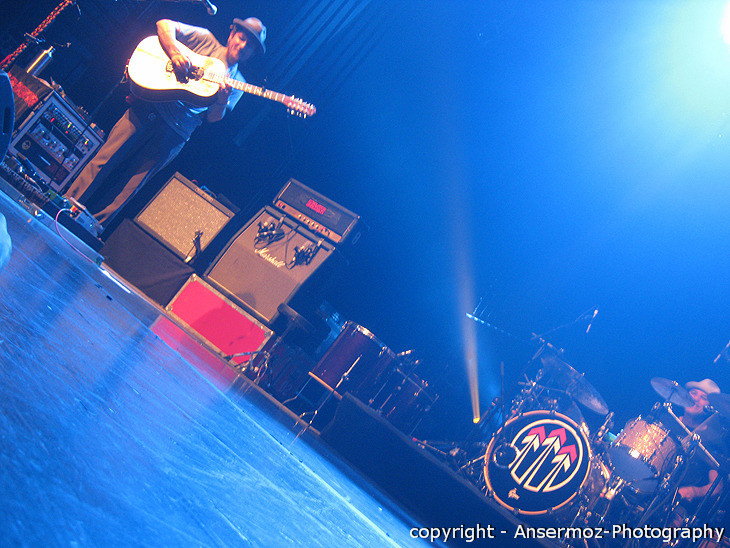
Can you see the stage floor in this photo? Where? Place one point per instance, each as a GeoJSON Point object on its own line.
{"type": "Point", "coordinates": [110, 437]}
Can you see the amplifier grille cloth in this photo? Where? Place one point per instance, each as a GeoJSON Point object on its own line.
{"type": "Point", "coordinates": [177, 213]}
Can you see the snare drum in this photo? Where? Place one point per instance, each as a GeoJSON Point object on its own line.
{"type": "Point", "coordinates": [642, 452]}
{"type": "Point", "coordinates": [355, 362]}
{"type": "Point", "coordinates": [540, 463]}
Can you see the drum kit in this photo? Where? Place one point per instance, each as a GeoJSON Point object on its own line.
{"type": "Point", "coordinates": [545, 464]}
{"type": "Point", "coordinates": [359, 363]}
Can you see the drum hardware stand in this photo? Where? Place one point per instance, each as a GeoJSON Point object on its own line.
{"type": "Point", "coordinates": [398, 388]}
{"type": "Point", "coordinates": [653, 415]}
{"type": "Point", "coordinates": [704, 509]}
{"type": "Point", "coordinates": [474, 475]}
{"type": "Point", "coordinates": [612, 489]}
{"type": "Point", "coordinates": [420, 419]}
{"type": "Point", "coordinates": [470, 443]}
{"type": "Point", "coordinates": [293, 319]}
{"type": "Point", "coordinates": [470, 469]}
{"type": "Point", "coordinates": [242, 368]}
{"type": "Point", "coordinates": [724, 353]}
{"type": "Point", "coordinates": [588, 514]}
{"type": "Point", "coordinates": [705, 504]}
{"type": "Point", "coordinates": [597, 440]}
{"type": "Point", "coordinates": [528, 391]}
{"type": "Point", "coordinates": [391, 370]}
{"type": "Point", "coordinates": [546, 344]}
{"type": "Point", "coordinates": [372, 400]}
{"type": "Point", "coordinates": [467, 467]}
{"type": "Point", "coordinates": [331, 392]}
{"type": "Point", "coordinates": [673, 391]}
{"type": "Point", "coordinates": [663, 490]}
{"type": "Point", "coordinates": [431, 446]}
{"type": "Point", "coordinates": [692, 441]}
{"type": "Point", "coordinates": [538, 389]}
{"type": "Point", "coordinates": [721, 504]}
{"type": "Point", "coordinates": [589, 315]}
{"type": "Point", "coordinates": [500, 452]}
{"type": "Point", "coordinates": [484, 420]}
{"type": "Point", "coordinates": [405, 358]}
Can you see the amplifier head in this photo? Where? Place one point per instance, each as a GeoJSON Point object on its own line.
{"type": "Point", "coordinates": [319, 214]}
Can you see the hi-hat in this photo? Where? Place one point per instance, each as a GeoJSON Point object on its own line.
{"type": "Point", "coordinates": [721, 403]}
{"type": "Point", "coordinates": [672, 391]}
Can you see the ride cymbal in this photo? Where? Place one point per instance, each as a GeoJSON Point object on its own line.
{"type": "Point", "coordinates": [574, 383]}
{"type": "Point", "coordinates": [672, 391]}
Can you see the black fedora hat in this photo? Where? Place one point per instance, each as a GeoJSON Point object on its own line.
{"type": "Point", "coordinates": [253, 27]}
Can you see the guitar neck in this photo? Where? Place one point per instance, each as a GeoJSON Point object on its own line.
{"type": "Point", "coordinates": [247, 88]}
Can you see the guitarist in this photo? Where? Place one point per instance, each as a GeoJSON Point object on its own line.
{"type": "Point", "coordinates": [150, 135]}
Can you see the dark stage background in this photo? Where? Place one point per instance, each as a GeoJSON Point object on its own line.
{"type": "Point", "coordinates": [540, 158]}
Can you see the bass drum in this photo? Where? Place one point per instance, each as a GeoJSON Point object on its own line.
{"type": "Point", "coordinates": [540, 463]}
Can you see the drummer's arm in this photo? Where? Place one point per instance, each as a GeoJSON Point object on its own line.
{"type": "Point", "coordinates": [690, 492]}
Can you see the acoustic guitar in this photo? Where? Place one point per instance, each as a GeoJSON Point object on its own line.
{"type": "Point", "coordinates": [153, 79]}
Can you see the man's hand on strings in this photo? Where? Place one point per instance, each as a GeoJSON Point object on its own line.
{"type": "Point", "coordinates": [181, 65]}
{"type": "Point", "coordinates": [217, 111]}
{"type": "Point", "coordinates": [224, 92]}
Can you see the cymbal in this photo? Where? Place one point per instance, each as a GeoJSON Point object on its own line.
{"type": "Point", "coordinates": [711, 433]}
{"type": "Point", "coordinates": [672, 391]}
{"type": "Point", "coordinates": [559, 369]}
{"type": "Point", "coordinates": [576, 385]}
{"type": "Point", "coordinates": [721, 403]}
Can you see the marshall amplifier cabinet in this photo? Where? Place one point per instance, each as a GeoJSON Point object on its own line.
{"type": "Point", "coordinates": [274, 259]}
{"type": "Point", "coordinates": [319, 214]}
{"type": "Point", "coordinates": [57, 141]}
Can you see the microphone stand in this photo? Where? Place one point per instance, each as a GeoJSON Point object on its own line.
{"type": "Point", "coordinates": [32, 37]}
{"type": "Point", "coordinates": [723, 353]}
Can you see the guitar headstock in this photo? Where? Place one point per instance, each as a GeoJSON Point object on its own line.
{"type": "Point", "coordinates": [299, 107]}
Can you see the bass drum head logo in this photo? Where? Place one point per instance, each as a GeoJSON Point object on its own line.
{"type": "Point", "coordinates": [537, 462]}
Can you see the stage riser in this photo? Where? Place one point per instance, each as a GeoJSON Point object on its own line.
{"type": "Point", "coordinates": [423, 485]}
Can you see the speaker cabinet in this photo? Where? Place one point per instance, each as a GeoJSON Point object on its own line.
{"type": "Point", "coordinates": [7, 113]}
{"type": "Point", "coordinates": [264, 268]}
{"type": "Point", "coordinates": [183, 218]}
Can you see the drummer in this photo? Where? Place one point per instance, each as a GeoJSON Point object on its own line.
{"type": "Point", "coordinates": [699, 477]}
{"type": "Point", "coordinates": [695, 415]}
